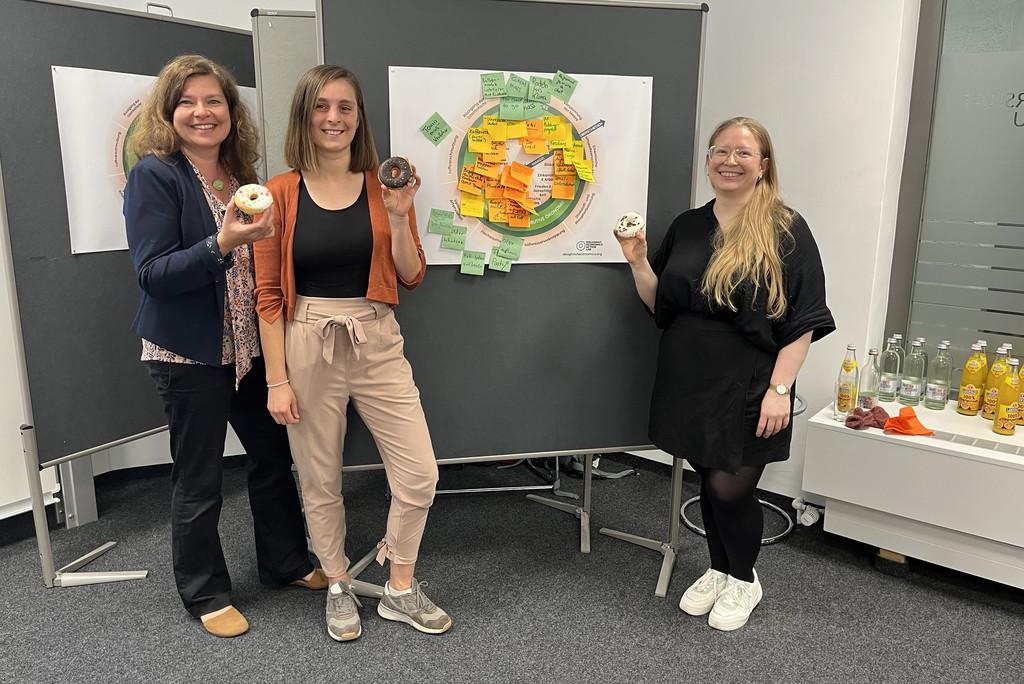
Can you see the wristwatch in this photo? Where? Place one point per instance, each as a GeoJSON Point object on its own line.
{"type": "Point", "coordinates": [780, 389]}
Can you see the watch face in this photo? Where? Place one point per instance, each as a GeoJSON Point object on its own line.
{"type": "Point", "coordinates": [782, 389]}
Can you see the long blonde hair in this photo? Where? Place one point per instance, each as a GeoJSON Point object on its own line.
{"type": "Point", "coordinates": [751, 246]}
{"type": "Point", "coordinates": [155, 132]}
{"type": "Point", "coordinates": [299, 150]}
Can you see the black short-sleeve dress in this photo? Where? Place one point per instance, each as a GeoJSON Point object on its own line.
{"type": "Point", "coordinates": [715, 365]}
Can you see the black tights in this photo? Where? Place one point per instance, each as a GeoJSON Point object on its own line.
{"type": "Point", "coordinates": [732, 518]}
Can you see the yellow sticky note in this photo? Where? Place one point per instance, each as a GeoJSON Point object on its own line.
{"type": "Point", "coordinates": [515, 129]}
{"type": "Point", "coordinates": [585, 169]}
{"type": "Point", "coordinates": [521, 172]}
{"type": "Point", "coordinates": [471, 205]}
{"type": "Point", "coordinates": [569, 155]}
{"type": "Point", "coordinates": [497, 129]}
{"type": "Point", "coordinates": [486, 168]}
{"type": "Point", "coordinates": [488, 119]}
{"type": "Point", "coordinates": [551, 125]}
{"type": "Point", "coordinates": [561, 168]}
{"type": "Point", "coordinates": [517, 216]}
{"type": "Point", "coordinates": [533, 146]}
{"type": "Point", "coordinates": [479, 140]}
{"type": "Point", "coordinates": [497, 153]}
{"type": "Point", "coordinates": [496, 211]}
{"type": "Point", "coordinates": [577, 148]}
{"type": "Point", "coordinates": [534, 128]}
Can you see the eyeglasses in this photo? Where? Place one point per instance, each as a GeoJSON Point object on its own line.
{"type": "Point", "coordinates": [723, 153]}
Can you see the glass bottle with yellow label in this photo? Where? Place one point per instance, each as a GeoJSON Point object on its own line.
{"type": "Point", "coordinates": [1008, 411]}
{"type": "Point", "coordinates": [993, 382]}
{"type": "Point", "coordinates": [846, 385]}
{"type": "Point", "coordinates": [972, 382]}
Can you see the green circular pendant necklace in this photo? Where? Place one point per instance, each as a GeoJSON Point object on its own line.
{"type": "Point", "coordinates": [218, 185]}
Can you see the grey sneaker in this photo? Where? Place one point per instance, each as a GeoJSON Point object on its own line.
{"type": "Point", "coordinates": [342, 613]}
{"type": "Point", "coordinates": [414, 609]}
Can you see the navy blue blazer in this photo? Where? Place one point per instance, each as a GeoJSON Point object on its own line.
{"type": "Point", "coordinates": [176, 259]}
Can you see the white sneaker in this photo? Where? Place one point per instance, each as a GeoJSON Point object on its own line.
{"type": "Point", "coordinates": [736, 602]}
{"type": "Point", "coordinates": [702, 594]}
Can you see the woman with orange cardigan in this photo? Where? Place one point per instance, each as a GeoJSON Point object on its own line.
{"type": "Point", "coordinates": [326, 284]}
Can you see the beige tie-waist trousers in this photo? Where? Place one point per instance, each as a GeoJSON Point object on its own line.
{"type": "Point", "coordinates": [341, 350]}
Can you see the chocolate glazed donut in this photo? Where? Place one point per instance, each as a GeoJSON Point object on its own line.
{"type": "Point", "coordinates": [395, 172]}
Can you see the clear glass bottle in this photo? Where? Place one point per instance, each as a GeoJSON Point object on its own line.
{"type": "Point", "coordinates": [867, 390]}
{"type": "Point", "coordinates": [984, 350]}
{"type": "Point", "coordinates": [924, 353]}
{"type": "Point", "coordinates": [1009, 350]}
{"type": "Point", "coordinates": [940, 371]}
{"type": "Point", "coordinates": [901, 349]}
{"type": "Point", "coordinates": [891, 365]}
{"type": "Point", "coordinates": [845, 395]}
{"type": "Point", "coordinates": [912, 382]}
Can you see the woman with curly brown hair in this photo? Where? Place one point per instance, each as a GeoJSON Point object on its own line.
{"type": "Point", "coordinates": [191, 251]}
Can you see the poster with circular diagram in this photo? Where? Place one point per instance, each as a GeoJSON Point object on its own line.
{"type": "Point", "coordinates": [524, 166]}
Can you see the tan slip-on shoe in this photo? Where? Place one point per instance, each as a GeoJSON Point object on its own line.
{"type": "Point", "coordinates": [317, 582]}
{"type": "Point", "coordinates": [228, 624]}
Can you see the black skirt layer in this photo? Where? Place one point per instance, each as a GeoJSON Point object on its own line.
{"type": "Point", "coordinates": [707, 396]}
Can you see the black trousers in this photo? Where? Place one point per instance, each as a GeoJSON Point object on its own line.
{"type": "Point", "coordinates": [199, 402]}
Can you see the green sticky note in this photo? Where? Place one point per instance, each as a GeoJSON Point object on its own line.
{"type": "Point", "coordinates": [498, 262]}
{"type": "Point", "coordinates": [539, 89]}
{"type": "Point", "coordinates": [533, 110]}
{"type": "Point", "coordinates": [435, 128]}
{"type": "Point", "coordinates": [510, 248]}
{"type": "Point", "coordinates": [564, 86]}
{"type": "Point", "coordinates": [493, 85]}
{"type": "Point", "coordinates": [440, 221]}
{"type": "Point", "coordinates": [511, 108]}
{"type": "Point", "coordinates": [455, 239]}
{"type": "Point", "coordinates": [472, 263]}
{"type": "Point", "coordinates": [517, 86]}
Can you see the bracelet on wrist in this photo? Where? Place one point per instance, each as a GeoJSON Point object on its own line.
{"type": "Point", "coordinates": [271, 385]}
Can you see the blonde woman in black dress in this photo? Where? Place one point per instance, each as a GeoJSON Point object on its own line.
{"type": "Point", "coordinates": [738, 288]}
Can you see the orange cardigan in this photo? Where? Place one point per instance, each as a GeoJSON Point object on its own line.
{"type": "Point", "coordinates": [275, 272]}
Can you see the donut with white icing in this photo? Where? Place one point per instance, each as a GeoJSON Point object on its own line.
{"type": "Point", "coordinates": [629, 225]}
{"type": "Point", "coordinates": [253, 199]}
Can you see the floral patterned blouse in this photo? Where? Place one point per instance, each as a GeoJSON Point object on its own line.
{"type": "Point", "coordinates": [240, 342]}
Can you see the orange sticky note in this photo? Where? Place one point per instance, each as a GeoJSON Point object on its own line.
{"type": "Point", "coordinates": [497, 128]}
{"type": "Point", "coordinates": [486, 168]}
{"type": "Point", "coordinates": [493, 189]}
{"type": "Point", "coordinates": [527, 204]}
{"type": "Point", "coordinates": [535, 129]}
{"type": "Point", "coordinates": [521, 172]}
{"type": "Point", "coordinates": [516, 129]}
{"type": "Point", "coordinates": [563, 191]}
{"type": "Point", "coordinates": [534, 146]}
{"type": "Point", "coordinates": [479, 140]}
{"type": "Point", "coordinates": [509, 182]}
{"type": "Point", "coordinates": [471, 205]}
{"type": "Point", "coordinates": [472, 182]}
{"type": "Point", "coordinates": [517, 216]}
{"type": "Point", "coordinates": [497, 153]}
{"type": "Point", "coordinates": [517, 195]}
{"type": "Point", "coordinates": [496, 211]}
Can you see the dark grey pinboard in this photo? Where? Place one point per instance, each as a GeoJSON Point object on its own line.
{"type": "Point", "coordinates": [550, 356]}
{"type": "Point", "coordinates": [87, 385]}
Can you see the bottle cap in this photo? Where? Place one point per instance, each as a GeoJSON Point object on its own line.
{"type": "Point", "coordinates": [975, 347]}
{"type": "Point", "coordinates": [943, 346]}
{"type": "Point", "coordinates": [915, 343]}
{"type": "Point", "coordinates": [1014, 362]}
{"type": "Point", "coordinates": [872, 352]}
{"type": "Point", "coordinates": [851, 347]}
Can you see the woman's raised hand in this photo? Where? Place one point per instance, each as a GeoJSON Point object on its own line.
{"type": "Point", "coordinates": [634, 248]}
{"type": "Point", "coordinates": [234, 233]}
{"type": "Point", "coordinates": [398, 201]}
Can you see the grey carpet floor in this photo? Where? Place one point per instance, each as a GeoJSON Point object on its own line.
{"type": "Point", "coordinates": [527, 605]}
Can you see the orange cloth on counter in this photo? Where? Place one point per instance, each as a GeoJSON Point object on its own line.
{"type": "Point", "coordinates": [906, 423]}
